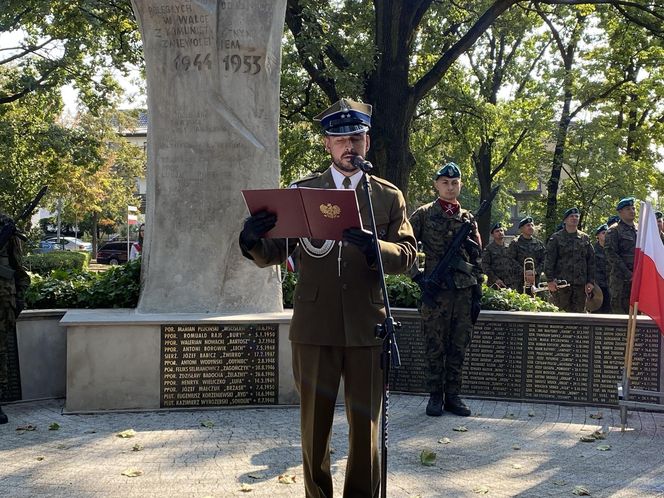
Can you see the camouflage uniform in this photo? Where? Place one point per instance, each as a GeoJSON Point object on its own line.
{"type": "Point", "coordinates": [570, 257]}
{"type": "Point", "coordinates": [497, 264]}
{"type": "Point", "coordinates": [447, 327]}
{"type": "Point", "coordinates": [619, 248]}
{"type": "Point", "coordinates": [522, 248]}
{"type": "Point", "coordinates": [601, 277]}
{"type": "Point", "coordinates": [14, 281]}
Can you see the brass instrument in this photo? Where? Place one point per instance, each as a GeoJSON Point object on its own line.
{"type": "Point", "coordinates": [543, 286]}
{"type": "Point", "coordinates": [528, 268]}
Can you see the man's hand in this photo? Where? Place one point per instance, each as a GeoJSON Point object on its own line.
{"type": "Point", "coordinates": [364, 241]}
{"type": "Point", "coordinates": [500, 284]}
{"type": "Point", "coordinates": [552, 285]}
{"type": "Point", "coordinates": [530, 277]}
{"type": "Point", "coordinates": [589, 288]}
{"type": "Point", "coordinates": [255, 227]}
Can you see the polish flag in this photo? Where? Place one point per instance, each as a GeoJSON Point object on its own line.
{"type": "Point", "coordinates": [648, 277]}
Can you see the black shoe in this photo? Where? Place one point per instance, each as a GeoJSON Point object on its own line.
{"type": "Point", "coordinates": [3, 417]}
{"type": "Point", "coordinates": [454, 404]}
{"type": "Point", "coordinates": [435, 405]}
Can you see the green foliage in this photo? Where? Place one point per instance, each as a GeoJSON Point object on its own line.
{"type": "Point", "coordinates": [44, 264]}
{"type": "Point", "coordinates": [116, 288]}
{"type": "Point", "coordinates": [404, 293]}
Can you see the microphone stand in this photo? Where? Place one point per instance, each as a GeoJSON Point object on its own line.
{"type": "Point", "coordinates": [385, 331]}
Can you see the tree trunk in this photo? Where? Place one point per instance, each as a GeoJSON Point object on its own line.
{"type": "Point", "coordinates": [95, 234]}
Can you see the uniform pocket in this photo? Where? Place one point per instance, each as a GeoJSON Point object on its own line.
{"type": "Point", "coordinates": [306, 292]}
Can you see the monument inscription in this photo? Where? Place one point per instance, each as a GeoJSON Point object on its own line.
{"type": "Point", "coordinates": [219, 365]}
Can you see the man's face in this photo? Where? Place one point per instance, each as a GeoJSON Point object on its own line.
{"type": "Point", "coordinates": [342, 148]}
{"type": "Point", "coordinates": [528, 229]}
{"type": "Point", "coordinates": [627, 214]}
{"type": "Point", "coordinates": [448, 188]}
{"type": "Point", "coordinates": [601, 237]}
{"type": "Point", "coordinates": [572, 221]}
{"type": "Point", "coordinates": [498, 235]}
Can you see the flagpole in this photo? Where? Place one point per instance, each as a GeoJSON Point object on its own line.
{"type": "Point", "coordinates": [631, 338]}
{"type": "Point", "coordinates": [128, 233]}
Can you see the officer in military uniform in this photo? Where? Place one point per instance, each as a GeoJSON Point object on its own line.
{"type": "Point", "coordinates": [14, 281]}
{"type": "Point", "coordinates": [570, 257]}
{"type": "Point", "coordinates": [619, 249]}
{"type": "Point", "coordinates": [526, 245]}
{"type": "Point", "coordinates": [447, 326]}
{"type": "Point", "coordinates": [500, 269]}
{"type": "Point", "coordinates": [601, 275]}
{"type": "Point", "coordinates": [337, 304]}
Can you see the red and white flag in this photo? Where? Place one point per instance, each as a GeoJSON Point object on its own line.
{"type": "Point", "coordinates": [648, 276]}
{"type": "Point", "coordinates": [132, 216]}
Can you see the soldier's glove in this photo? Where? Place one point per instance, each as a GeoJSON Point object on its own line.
{"type": "Point", "coordinates": [364, 240]}
{"type": "Point", "coordinates": [20, 306]}
{"type": "Point", "coordinates": [476, 303]}
{"type": "Point", "coordinates": [255, 227]}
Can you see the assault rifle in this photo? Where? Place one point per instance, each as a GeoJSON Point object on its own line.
{"type": "Point", "coordinates": [9, 229]}
{"type": "Point", "coordinates": [443, 273]}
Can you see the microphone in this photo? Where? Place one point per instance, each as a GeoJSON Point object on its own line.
{"type": "Point", "coordinates": [360, 163]}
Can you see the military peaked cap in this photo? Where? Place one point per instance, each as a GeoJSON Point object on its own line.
{"type": "Point", "coordinates": [601, 228]}
{"type": "Point", "coordinates": [627, 201]}
{"type": "Point", "coordinates": [525, 221]}
{"type": "Point", "coordinates": [571, 211]}
{"type": "Point", "coordinates": [345, 117]}
{"type": "Point", "coordinates": [450, 170]}
{"type": "Point", "coordinates": [496, 226]}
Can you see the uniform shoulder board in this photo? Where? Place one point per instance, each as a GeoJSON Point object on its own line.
{"type": "Point", "coordinates": [384, 182]}
{"type": "Point", "coordinates": [305, 178]}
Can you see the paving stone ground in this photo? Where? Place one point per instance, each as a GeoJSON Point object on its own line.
{"type": "Point", "coordinates": [509, 449]}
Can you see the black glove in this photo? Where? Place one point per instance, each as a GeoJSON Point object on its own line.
{"type": "Point", "coordinates": [255, 227]}
{"type": "Point", "coordinates": [20, 305]}
{"type": "Point", "coordinates": [364, 241]}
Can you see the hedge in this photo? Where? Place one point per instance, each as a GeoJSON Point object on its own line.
{"type": "Point", "coordinates": [44, 264]}
{"type": "Point", "coordinates": [119, 287]}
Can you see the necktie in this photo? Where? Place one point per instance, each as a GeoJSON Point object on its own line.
{"type": "Point", "coordinates": [346, 183]}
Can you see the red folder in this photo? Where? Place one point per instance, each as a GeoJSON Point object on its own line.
{"type": "Point", "coordinates": [315, 213]}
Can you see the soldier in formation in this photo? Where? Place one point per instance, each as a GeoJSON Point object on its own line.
{"type": "Point", "coordinates": [570, 257]}
{"type": "Point", "coordinates": [527, 247]}
{"type": "Point", "coordinates": [337, 304]}
{"type": "Point", "coordinates": [14, 281]}
{"type": "Point", "coordinates": [500, 269]}
{"type": "Point", "coordinates": [601, 276]}
{"type": "Point", "coordinates": [448, 325]}
{"type": "Point", "coordinates": [619, 249]}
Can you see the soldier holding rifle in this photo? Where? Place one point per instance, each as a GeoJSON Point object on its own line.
{"type": "Point", "coordinates": [450, 291]}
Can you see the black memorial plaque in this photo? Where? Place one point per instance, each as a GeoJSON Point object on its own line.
{"type": "Point", "coordinates": [608, 357]}
{"type": "Point", "coordinates": [219, 365]}
{"type": "Point", "coordinates": [493, 363]}
{"type": "Point", "coordinates": [409, 377]}
{"type": "Point", "coordinates": [646, 362]}
{"type": "Point", "coordinates": [558, 362]}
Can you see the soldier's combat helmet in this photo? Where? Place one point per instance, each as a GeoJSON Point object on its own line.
{"type": "Point", "coordinates": [345, 117]}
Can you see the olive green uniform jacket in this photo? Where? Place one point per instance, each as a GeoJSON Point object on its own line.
{"type": "Point", "coordinates": [342, 310]}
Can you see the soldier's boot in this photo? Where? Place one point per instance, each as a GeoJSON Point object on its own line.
{"type": "Point", "coordinates": [454, 404]}
{"type": "Point", "coordinates": [3, 417]}
{"type": "Point", "coordinates": [435, 405]}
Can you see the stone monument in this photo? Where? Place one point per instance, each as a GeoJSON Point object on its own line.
{"type": "Point", "coordinates": [213, 70]}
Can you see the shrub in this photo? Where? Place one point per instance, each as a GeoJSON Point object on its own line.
{"type": "Point", "coordinates": [116, 288]}
{"type": "Point", "coordinates": [44, 264]}
{"type": "Point", "coordinates": [404, 293]}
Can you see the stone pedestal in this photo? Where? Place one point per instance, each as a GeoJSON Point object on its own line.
{"type": "Point", "coordinates": [213, 72]}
